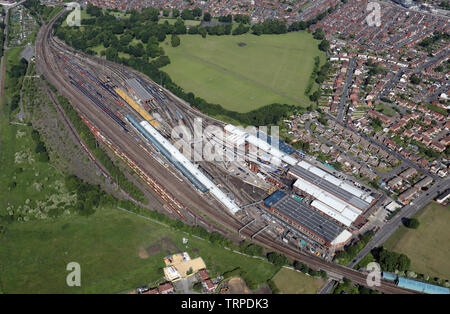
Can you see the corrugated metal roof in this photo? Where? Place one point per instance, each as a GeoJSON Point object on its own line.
{"type": "Point", "coordinates": [139, 89]}
{"type": "Point", "coordinates": [308, 218]}
{"type": "Point", "coordinates": [333, 185]}
{"type": "Point", "coordinates": [336, 208]}
{"type": "Point", "coordinates": [421, 286]}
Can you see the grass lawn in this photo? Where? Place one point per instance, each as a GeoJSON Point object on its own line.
{"type": "Point", "coordinates": [109, 246]}
{"type": "Point", "coordinates": [293, 282]}
{"type": "Point", "coordinates": [172, 21]}
{"type": "Point", "coordinates": [427, 246]}
{"type": "Point", "coordinates": [385, 109]}
{"type": "Point", "coordinates": [268, 69]}
{"type": "Point", "coordinates": [385, 170]}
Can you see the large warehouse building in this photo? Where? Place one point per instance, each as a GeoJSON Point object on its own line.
{"type": "Point", "coordinates": [333, 196]}
{"type": "Point", "coordinates": [305, 219]}
{"type": "Point", "coordinates": [262, 142]}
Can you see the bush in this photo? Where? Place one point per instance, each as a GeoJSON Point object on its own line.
{"type": "Point", "coordinates": [277, 259]}
{"type": "Point", "coordinates": [391, 261]}
{"type": "Point", "coordinates": [412, 223]}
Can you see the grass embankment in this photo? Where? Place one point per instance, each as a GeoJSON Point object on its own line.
{"type": "Point", "coordinates": [262, 70]}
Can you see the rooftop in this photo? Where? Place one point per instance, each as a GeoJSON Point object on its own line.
{"type": "Point", "coordinates": [333, 185]}
{"type": "Point", "coordinates": [308, 218]}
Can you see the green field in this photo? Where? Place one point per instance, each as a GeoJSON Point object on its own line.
{"type": "Point", "coordinates": [294, 282]}
{"type": "Point", "coordinates": [107, 245]}
{"type": "Point", "coordinates": [427, 246]}
{"type": "Point", "coordinates": [268, 69]}
{"type": "Point", "coordinates": [172, 21]}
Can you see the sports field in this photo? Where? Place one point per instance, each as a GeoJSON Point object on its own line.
{"type": "Point", "coordinates": [428, 246]}
{"type": "Point", "coordinates": [245, 72]}
{"type": "Point", "coordinates": [116, 250]}
{"type": "Point", "coordinates": [293, 282]}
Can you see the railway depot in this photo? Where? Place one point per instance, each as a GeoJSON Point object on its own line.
{"type": "Point", "coordinates": [329, 209]}
{"type": "Point", "coordinates": [320, 206]}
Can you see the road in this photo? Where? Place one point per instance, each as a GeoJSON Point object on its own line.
{"type": "Point", "coordinates": [348, 82]}
{"type": "Point", "coordinates": [408, 211]}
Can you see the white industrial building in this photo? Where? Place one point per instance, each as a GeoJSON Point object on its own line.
{"type": "Point", "coordinates": [238, 136]}
{"type": "Point", "coordinates": [213, 189]}
{"type": "Point", "coordinates": [329, 204]}
{"type": "Point", "coordinates": [337, 182]}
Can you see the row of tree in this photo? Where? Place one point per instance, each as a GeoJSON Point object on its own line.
{"type": "Point", "coordinates": [391, 261]}
{"type": "Point", "coordinates": [306, 270]}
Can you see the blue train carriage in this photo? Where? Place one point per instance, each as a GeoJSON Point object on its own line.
{"type": "Point", "coordinates": [415, 285]}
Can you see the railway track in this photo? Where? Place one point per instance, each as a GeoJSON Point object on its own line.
{"type": "Point", "coordinates": [50, 70]}
{"type": "Point", "coordinates": [46, 49]}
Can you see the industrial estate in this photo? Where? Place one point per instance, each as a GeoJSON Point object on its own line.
{"type": "Point", "coordinates": [323, 188]}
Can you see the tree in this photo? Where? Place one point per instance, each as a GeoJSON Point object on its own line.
{"type": "Point", "coordinates": [207, 17]}
{"type": "Point", "coordinates": [197, 287]}
{"type": "Point", "coordinates": [412, 223]}
{"type": "Point", "coordinates": [415, 79]}
{"type": "Point", "coordinates": [175, 40]}
{"type": "Point", "coordinates": [202, 31]}
{"type": "Point", "coordinates": [273, 287]}
{"type": "Point", "coordinates": [187, 14]}
{"type": "Point", "coordinates": [315, 96]}
{"type": "Point", "coordinates": [197, 12]}
{"type": "Point", "coordinates": [277, 259]}
{"type": "Point", "coordinates": [226, 18]}
{"type": "Point", "coordinates": [241, 29]}
{"type": "Point", "coordinates": [324, 45]}
{"type": "Point", "coordinates": [175, 12]}
{"type": "Point", "coordinates": [93, 10]}
{"type": "Point", "coordinates": [166, 12]}
{"type": "Point", "coordinates": [319, 34]}
{"type": "Point", "coordinates": [391, 261]}
{"type": "Point", "coordinates": [179, 27]}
